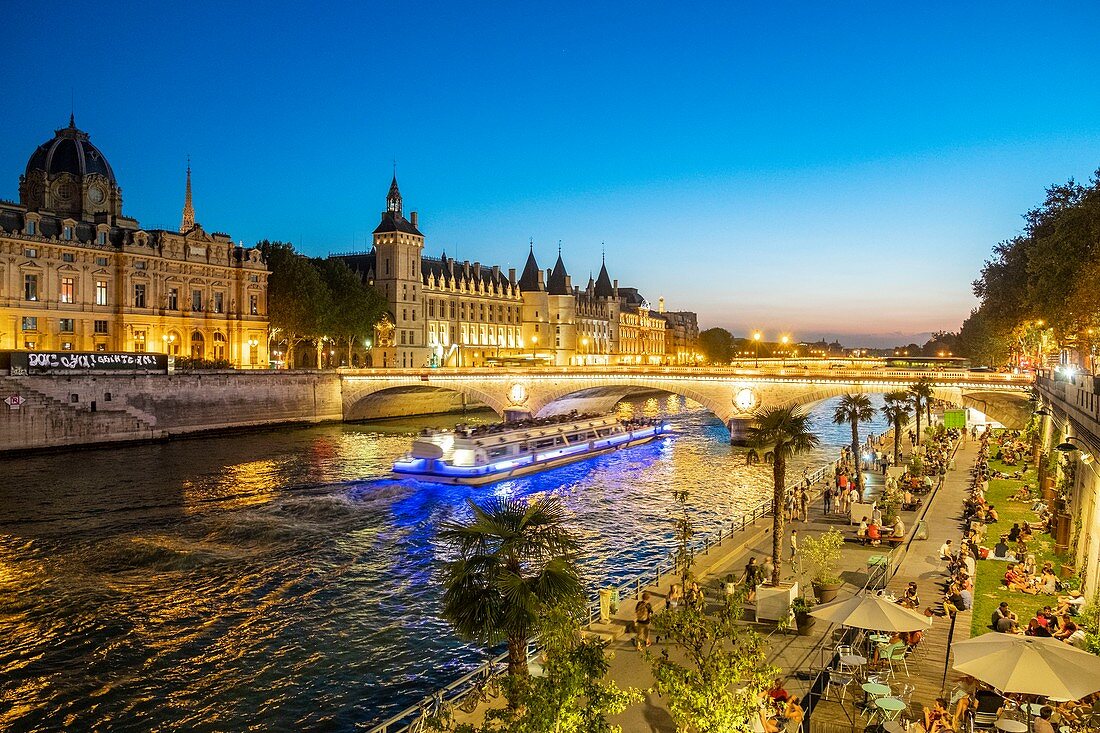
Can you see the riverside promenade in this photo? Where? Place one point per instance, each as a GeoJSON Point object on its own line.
{"type": "Point", "coordinates": [800, 658]}
{"type": "Point", "coordinates": [794, 655]}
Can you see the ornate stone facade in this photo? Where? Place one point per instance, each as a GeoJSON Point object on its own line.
{"type": "Point", "coordinates": [443, 312]}
{"type": "Point", "coordinates": [76, 274]}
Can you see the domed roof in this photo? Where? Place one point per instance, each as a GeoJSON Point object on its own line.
{"type": "Point", "coordinates": [70, 151]}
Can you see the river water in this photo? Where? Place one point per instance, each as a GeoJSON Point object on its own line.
{"type": "Point", "coordinates": [283, 580]}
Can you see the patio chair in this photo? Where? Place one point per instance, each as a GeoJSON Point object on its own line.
{"type": "Point", "coordinates": [894, 655]}
{"type": "Point", "coordinates": [839, 678]}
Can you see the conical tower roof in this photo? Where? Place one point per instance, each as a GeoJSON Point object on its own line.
{"type": "Point", "coordinates": [604, 288]}
{"type": "Point", "coordinates": [558, 279]}
{"type": "Point", "coordinates": [529, 280]}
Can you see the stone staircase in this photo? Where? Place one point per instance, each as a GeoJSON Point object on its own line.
{"type": "Point", "coordinates": [50, 415]}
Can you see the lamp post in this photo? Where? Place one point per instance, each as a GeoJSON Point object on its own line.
{"type": "Point", "coordinates": [784, 340]}
{"type": "Point", "coordinates": [584, 350]}
{"type": "Point", "coordinates": [534, 347]}
{"type": "Point", "coordinates": [756, 341]}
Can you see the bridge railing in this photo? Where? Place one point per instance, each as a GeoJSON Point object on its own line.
{"type": "Point", "coordinates": [402, 721]}
{"type": "Point", "coordinates": [791, 373]}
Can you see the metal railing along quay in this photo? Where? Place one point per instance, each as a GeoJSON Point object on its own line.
{"type": "Point", "coordinates": [402, 721]}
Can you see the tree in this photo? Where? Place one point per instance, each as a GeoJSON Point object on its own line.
{"type": "Point", "coordinates": [299, 302]}
{"type": "Point", "coordinates": [355, 307]}
{"type": "Point", "coordinates": [716, 344]}
{"type": "Point", "coordinates": [685, 530]}
{"type": "Point", "coordinates": [787, 431]}
{"type": "Point", "coordinates": [897, 410]}
{"type": "Point", "coordinates": [854, 409]}
{"type": "Point", "coordinates": [573, 694]}
{"type": "Point", "coordinates": [515, 561]}
{"type": "Point", "coordinates": [717, 688]}
{"type": "Point", "coordinates": [920, 392]}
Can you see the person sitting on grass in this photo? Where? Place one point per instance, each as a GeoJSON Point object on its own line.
{"type": "Point", "coordinates": [1017, 581]}
{"type": "Point", "coordinates": [1048, 582]}
{"type": "Point", "coordinates": [1066, 628]}
{"type": "Point", "coordinates": [1001, 548]}
{"type": "Point", "coordinates": [991, 516]}
{"type": "Point", "coordinates": [1034, 628]}
{"type": "Point", "coordinates": [1070, 605]}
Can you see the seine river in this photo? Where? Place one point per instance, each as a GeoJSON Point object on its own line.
{"type": "Point", "coordinates": [282, 580]}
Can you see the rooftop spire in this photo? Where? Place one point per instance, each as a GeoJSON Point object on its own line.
{"type": "Point", "coordinates": [188, 222]}
{"type": "Point", "coordinates": [393, 198]}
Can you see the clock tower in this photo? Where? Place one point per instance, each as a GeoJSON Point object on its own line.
{"type": "Point", "coordinates": [398, 245]}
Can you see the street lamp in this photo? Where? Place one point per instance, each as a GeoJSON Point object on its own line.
{"type": "Point", "coordinates": [534, 346]}
{"type": "Point", "coordinates": [756, 340]}
{"type": "Point", "coordinates": [584, 350]}
{"type": "Point", "coordinates": [784, 340]}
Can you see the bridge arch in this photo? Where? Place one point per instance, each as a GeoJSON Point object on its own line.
{"type": "Point", "coordinates": [604, 397]}
{"type": "Point", "coordinates": [375, 399]}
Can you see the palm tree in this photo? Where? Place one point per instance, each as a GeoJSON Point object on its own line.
{"type": "Point", "coordinates": [515, 561]}
{"type": "Point", "coordinates": [897, 411]}
{"type": "Point", "coordinates": [921, 394]}
{"type": "Point", "coordinates": [854, 409]}
{"type": "Point", "coordinates": [787, 430]}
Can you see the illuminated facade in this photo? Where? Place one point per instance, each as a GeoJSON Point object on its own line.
{"type": "Point", "coordinates": [76, 274]}
{"type": "Point", "coordinates": [443, 312]}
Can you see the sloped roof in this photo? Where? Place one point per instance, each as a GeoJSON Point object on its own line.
{"type": "Point", "coordinates": [604, 288]}
{"type": "Point", "coordinates": [557, 284]}
{"type": "Point", "coordinates": [529, 280]}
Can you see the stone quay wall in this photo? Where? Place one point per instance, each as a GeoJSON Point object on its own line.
{"type": "Point", "coordinates": [81, 410]}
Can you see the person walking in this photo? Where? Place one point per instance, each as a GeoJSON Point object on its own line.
{"type": "Point", "coordinates": [794, 543]}
{"type": "Point", "coordinates": [643, 614]}
{"type": "Point", "coordinates": [804, 505]}
{"type": "Point", "coordinates": [827, 499]}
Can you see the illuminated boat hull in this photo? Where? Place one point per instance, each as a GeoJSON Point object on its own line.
{"type": "Point", "coordinates": [439, 471]}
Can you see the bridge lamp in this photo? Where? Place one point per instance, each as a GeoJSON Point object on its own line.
{"type": "Point", "coordinates": [756, 341]}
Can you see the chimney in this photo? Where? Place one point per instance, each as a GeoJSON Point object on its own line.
{"type": "Point", "coordinates": [512, 275]}
{"type": "Point", "coordinates": [414, 218]}
{"type": "Point", "coordinates": [548, 271]}
{"type": "Point", "coordinates": [568, 282]}
{"type": "Point", "coordinates": [496, 272]}
{"type": "Point", "coordinates": [477, 270]}
{"type": "Point", "coordinates": [541, 280]}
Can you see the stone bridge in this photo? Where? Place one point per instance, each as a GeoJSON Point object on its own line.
{"type": "Point", "coordinates": [731, 394]}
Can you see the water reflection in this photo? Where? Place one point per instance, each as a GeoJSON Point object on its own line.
{"type": "Point", "coordinates": [284, 580]}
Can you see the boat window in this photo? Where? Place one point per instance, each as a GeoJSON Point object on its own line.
{"type": "Point", "coordinates": [523, 448]}
{"type": "Point", "coordinates": [544, 444]}
{"type": "Point", "coordinates": [498, 452]}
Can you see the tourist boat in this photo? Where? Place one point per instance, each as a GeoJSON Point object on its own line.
{"type": "Point", "coordinates": [487, 453]}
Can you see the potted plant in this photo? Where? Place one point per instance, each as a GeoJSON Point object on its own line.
{"type": "Point", "coordinates": [803, 621]}
{"type": "Point", "coordinates": [821, 556]}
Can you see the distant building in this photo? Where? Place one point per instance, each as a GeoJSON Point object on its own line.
{"type": "Point", "coordinates": [681, 335]}
{"type": "Point", "coordinates": [76, 274]}
{"type": "Point", "coordinates": [443, 312]}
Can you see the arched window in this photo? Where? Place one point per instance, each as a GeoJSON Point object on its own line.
{"type": "Point", "coordinates": [219, 346]}
{"type": "Point", "coordinates": [198, 345]}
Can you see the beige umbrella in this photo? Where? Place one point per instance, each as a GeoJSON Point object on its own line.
{"type": "Point", "coordinates": [1029, 665]}
{"type": "Point", "coordinates": [868, 610]}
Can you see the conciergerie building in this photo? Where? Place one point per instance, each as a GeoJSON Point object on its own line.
{"type": "Point", "coordinates": [76, 274]}
{"type": "Point", "coordinates": [443, 312]}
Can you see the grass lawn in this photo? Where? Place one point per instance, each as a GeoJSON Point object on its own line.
{"type": "Point", "coordinates": [988, 591]}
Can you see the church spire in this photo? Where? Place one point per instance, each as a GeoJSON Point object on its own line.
{"type": "Point", "coordinates": [188, 222]}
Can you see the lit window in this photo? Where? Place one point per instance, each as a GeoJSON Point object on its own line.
{"type": "Point", "coordinates": [173, 299]}
{"type": "Point", "coordinates": [30, 287]}
{"type": "Point", "coordinates": [30, 323]}
{"type": "Point", "coordinates": [31, 252]}
{"type": "Point", "coordinates": [219, 302]}
{"type": "Point", "coordinates": [253, 305]}
{"type": "Point", "coordinates": [67, 290]}
{"type": "Point", "coordinates": [101, 292]}
{"type": "Point", "coordinates": [66, 345]}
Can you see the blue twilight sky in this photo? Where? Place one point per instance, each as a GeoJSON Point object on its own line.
{"type": "Point", "coordinates": [837, 169]}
